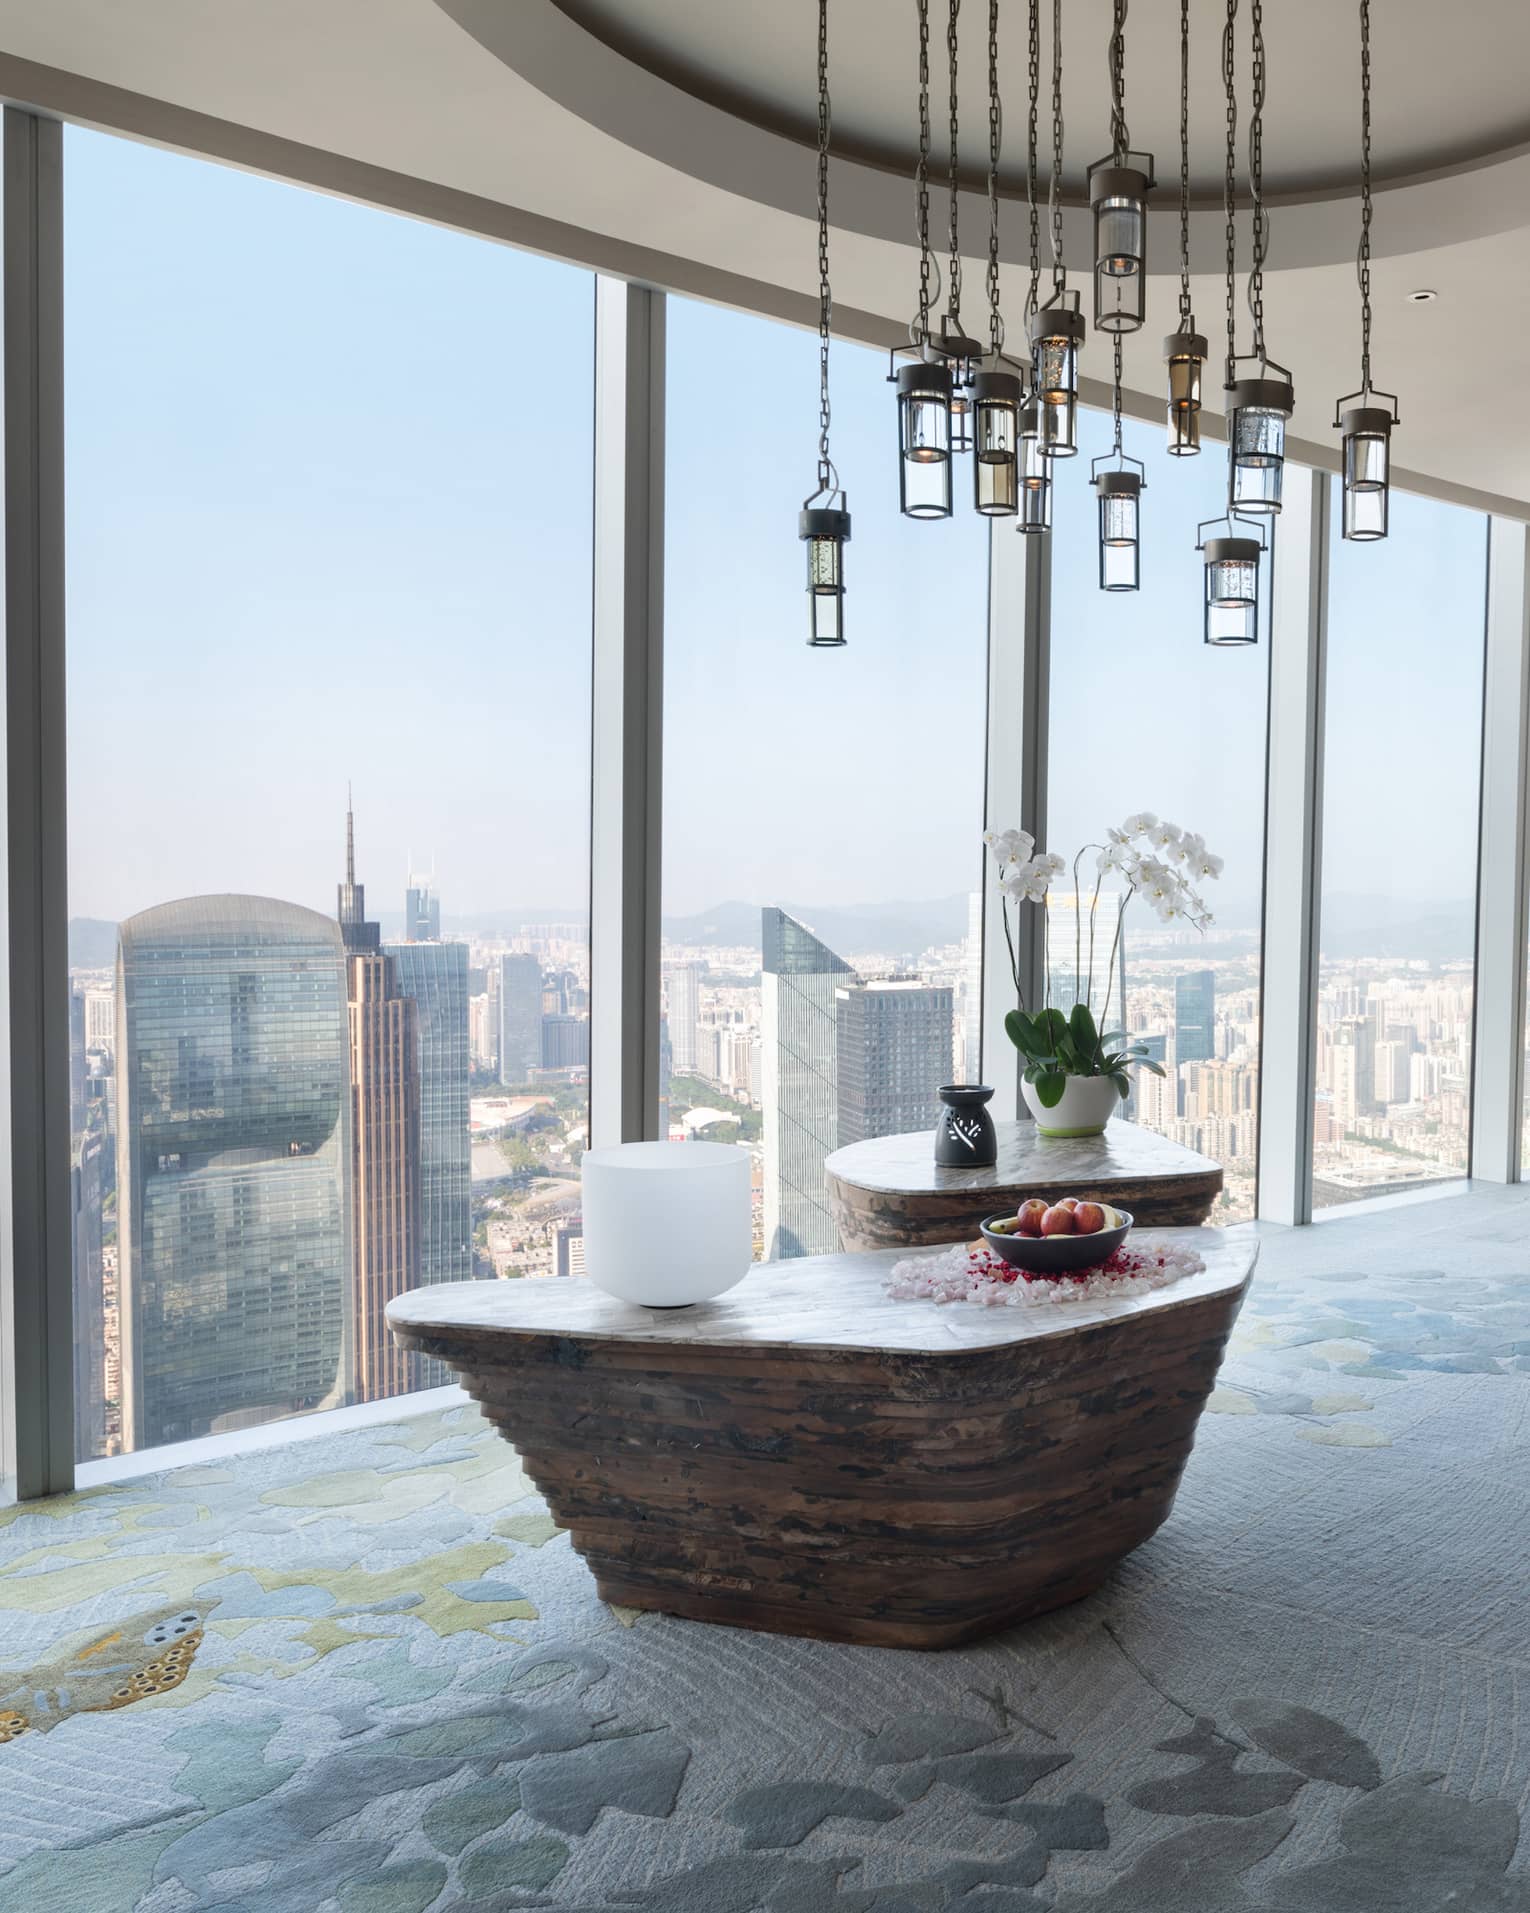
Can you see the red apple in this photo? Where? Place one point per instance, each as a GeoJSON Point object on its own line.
{"type": "Point", "coordinates": [1068, 1202]}
{"type": "Point", "coordinates": [1028, 1222]}
{"type": "Point", "coordinates": [1089, 1218]}
{"type": "Point", "coordinates": [1058, 1221]}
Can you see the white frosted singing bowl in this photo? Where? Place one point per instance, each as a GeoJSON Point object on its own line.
{"type": "Point", "coordinates": [667, 1223]}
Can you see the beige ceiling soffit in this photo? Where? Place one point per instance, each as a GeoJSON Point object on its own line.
{"type": "Point", "coordinates": [112, 109]}
{"type": "Point", "coordinates": [627, 101]}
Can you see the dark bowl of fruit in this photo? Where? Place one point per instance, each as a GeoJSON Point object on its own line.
{"type": "Point", "coordinates": [1057, 1238]}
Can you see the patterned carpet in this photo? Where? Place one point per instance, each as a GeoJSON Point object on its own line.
{"type": "Point", "coordinates": [365, 1674]}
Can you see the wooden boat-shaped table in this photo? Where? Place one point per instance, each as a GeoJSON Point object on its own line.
{"type": "Point", "coordinates": [808, 1456]}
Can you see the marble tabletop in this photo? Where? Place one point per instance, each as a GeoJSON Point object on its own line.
{"type": "Point", "coordinates": [821, 1301]}
{"type": "Point", "coordinates": [905, 1165]}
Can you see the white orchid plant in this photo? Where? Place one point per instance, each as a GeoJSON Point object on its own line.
{"type": "Point", "coordinates": [1155, 860]}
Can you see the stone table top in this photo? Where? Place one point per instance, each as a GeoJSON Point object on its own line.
{"type": "Point", "coordinates": [905, 1165]}
{"type": "Point", "coordinates": [817, 1302]}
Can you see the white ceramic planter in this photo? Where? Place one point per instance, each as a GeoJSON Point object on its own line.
{"type": "Point", "coordinates": [1088, 1103]}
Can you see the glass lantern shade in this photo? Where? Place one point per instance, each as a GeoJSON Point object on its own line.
{"type": "Point", "coordinates": [996, 443]}
{"type": "Point", "coordinates": [1118, 200]}
{"type": "Point", "coordinates": [1120, 496]}
{"type": "Point", "coordinates": [1259, 409]}
{"type": "Point", "coordinates": [1367, 457]}
{"type": "Point", "coordinates": [826, 534]}
{"type": "Point", "coordinates": [1056, 334]}
{"type": "Point", "coordinates": [1186, 356]}
{"type": "Point", "coordinates": [1034, 472]}
{"type": "Point", "coordinates": [1232, 590]}
{"type": "Point", "coordinates": [924, 440]}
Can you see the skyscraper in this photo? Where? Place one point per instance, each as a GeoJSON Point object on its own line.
{"type": "Point", "coordinates": [520, 1018]}
{"type": "Point", "coordinates": [684, 986]}
{"type": "Point", "coordinates": [893, 1043]}
{"type": "Point", "coordinates": [385, 1141]}
{"type": "Point", "coordinates": [88, 1187]}
{"type": "Point", "coordinates": [1195, 1019]}
{"type": "Point", "coordinates": [435, 976]}
{"type": "Point", "coordinates": [422, 911]}
{"type": "Point", "coordinates": [798, 980]}
{"type": "Point", "coordinates": [233, 1150]}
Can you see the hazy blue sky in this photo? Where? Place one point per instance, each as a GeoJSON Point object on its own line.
{"type": "Point", "coordinates": [329, 518]}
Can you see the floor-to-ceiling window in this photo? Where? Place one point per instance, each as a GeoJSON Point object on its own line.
{"type": "Point", "coordinates": [822, 808]}
{"type": "Point", "coordinates": [1406, 625]}
{"type": "Point", "coordinates": [1145, 717]}
{"type": "Point", "coordinates": [329, 694]}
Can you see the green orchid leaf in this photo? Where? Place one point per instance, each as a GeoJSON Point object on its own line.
{"type": "Point", "coordinates": [1021, 1031]}
{"type": "Point", "coordinates": [1157, 1068]}
{"type": "Point", "coordinates": [1049, 1088]}
{"type": "Point", "coordinates": [1122, 1082]}
{"type": "Point", "coordinates": [1086, 1038]}
{"type": "Point", "coordinates": [1115, 1036]}
{"type": "Point", "coordinates": [1053, 1025]}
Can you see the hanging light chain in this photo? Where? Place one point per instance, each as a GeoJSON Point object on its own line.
{"type": "Point", "coordinates": [1120, 138]}
{"type": "Point", "coordinates": [1184, 165]}
{"type": "Point", "coordinates": [825, 298]}
{"type": "Point", "coordinates": [1054, 184]}
{"type": "Point", "coordinates": [922, 173]}
{"type": "Point", "coordinates": [1032, 298]}
{"type": "Point", "coordinates": [1115, 395]}
{"type": "Point", "coordinates": [995, 134]}
{"type": "Point", "coordinates": [1261, 220]}
{"type": "Point", "coordinates": [954, 298]}
{"type": "Point", "coordinates": [1363, 260]}
{"type": "Point", "coordinates": [1229, 189]}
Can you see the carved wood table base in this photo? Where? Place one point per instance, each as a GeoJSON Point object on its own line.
{"type": "Point", "coordinates": [806, 1456]}
{"type": "Point", "coordinates": [888, 1193]}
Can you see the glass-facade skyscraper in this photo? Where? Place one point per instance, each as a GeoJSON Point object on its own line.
{"type": "Point", "coordinates": [436, 976]}
{"type": "Point", "coordinates": [233, 1158]}
{"type": "Point", "coordinates": [520, 1018]}
{"type": "Point", "coordinates": [1195, 1017]}
{"type": "Point", "coordinates": [799, 977]}
{"type": "Point", "coordinates": [894, 1051]}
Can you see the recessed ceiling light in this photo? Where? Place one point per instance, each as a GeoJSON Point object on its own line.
{"type": "Point", "coordinates": [1422, 296]}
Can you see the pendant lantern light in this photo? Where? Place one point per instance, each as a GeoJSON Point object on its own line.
{"type": "Point", "coordinates": [1367, 426]}
{"type": "Point", "coordinates": [924, 387]}
{"type": "Point", "coordinates": [1185, 349]}
{"type": "Point", "coordinates": [959, 352]}
{"type": "Point", "coordinates": [1033, 467]}
{"type": "Point", "coordinates": [996, 391]}
{"type": "Point", "coordinates": [1231, 563]}
{"type": "Point", "coordinates": [824, 521]}
{"type": "Point", "coordinates": [1057, 329]}
{"type": "Point", "coordinates": [1035, 472]}
{"type": "Point", "coordinates": [1119, 186]}
{"type": "Point", "coordinates": [1258, 407]}
{"type": "Point", "coordinates": [1119, 490]}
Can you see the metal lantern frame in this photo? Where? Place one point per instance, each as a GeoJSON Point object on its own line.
{"type": "Point", "coordinates": [1367, 466]}
{"type": "Point", "coordinates": [1258, 412]}
{"type": "Point", "coordinates": [1119, 185]}
{"type": "Point", "coordinates": [1034, 472]}
{"type": "Point", "coordinates": [1185, 354]}
{"type": "Point", "coordinates": [1232, 559]}
{"type": "Point", "coordinates": [961, 355]}
{"type": "Point", "coordinates": [924, 384]}
{"type": "Point", "coordinates": [997, 398]}
{"type": "Point", "coordinates": [1056, 331]}
{"type": "Point", "coordinates": [1119, 490]}
{"type": "Point", "coordinates": [826, 530]}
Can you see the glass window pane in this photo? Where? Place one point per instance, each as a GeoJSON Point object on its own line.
{"type": "Point", "coordinates": [822, 809]}
{"type": "Point", "coordinates": [325, 536]}
{"type": "Point", "coordinates": [1402, 767]}
{"type": "Point", "coordinates": [1146, 718]}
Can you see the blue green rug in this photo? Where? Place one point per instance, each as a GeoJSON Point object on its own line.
{"type": "Point", "coordinates": [365, 1673]}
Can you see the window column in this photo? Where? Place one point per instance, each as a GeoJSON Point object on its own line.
{"type": "Point", "coordinates": [1015, 784]}
{"type": "Point", "coordinates": [1503, 864]}
{"type": "Point", "coordinates": [1293, 844]}
{"type": "Point", "coordinates": [36, 1341]}
{"type": "Point", "coordinates": [626, 812]}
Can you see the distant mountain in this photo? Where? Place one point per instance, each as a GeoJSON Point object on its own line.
{"type": "Point", "coordinates": [890, 929]}
{"type": "Point", "coordinates": [1356, 926]}
{"type": "Point", "coordinates": [92, 943]}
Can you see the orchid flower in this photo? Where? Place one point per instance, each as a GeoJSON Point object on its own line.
{"type": "Point", "coordinates": [1140, 823]}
